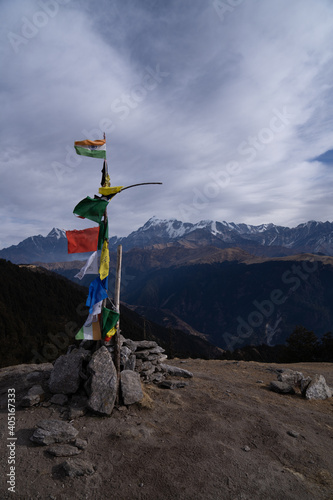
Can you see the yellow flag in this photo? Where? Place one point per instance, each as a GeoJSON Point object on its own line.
{"type": "Point", "coordinates": [108, 190]}
{"type": "Point", "coordinates": [105, 260]}
{"type": "Point", "coordinates": [110, 333]}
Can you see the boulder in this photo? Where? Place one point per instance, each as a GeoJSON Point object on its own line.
{"type": "Point", "coordinates": [281, 387]}
{"type": "Point", "coordinates": [65, 377]}
{"type": "Point", "coordinates": [291, 377]}
{"type": "Point", "coordinates": [305, 384]}
{"type": "Point", "coordinates": [130, 387]}
{"type": "Point", "coordinates": [53, 431]}
{"type": "Point", "coordinates": [318, 389]}
{"type": "Point", "coordinates": [174, 371]}
{"type": "Point", "coordinates": [101, 386]}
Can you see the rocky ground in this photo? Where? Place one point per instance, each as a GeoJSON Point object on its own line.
{"type": "Point", "coordinates": [224, 435]}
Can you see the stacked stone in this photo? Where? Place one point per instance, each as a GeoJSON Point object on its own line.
{"type": "Point", "coordinates": [145, 357]}
{"type": "Point", "coordinates": [86, 378]}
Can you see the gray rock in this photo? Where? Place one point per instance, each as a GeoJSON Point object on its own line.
{"type": "Point", "coordinates": [102, 385]}
{"type": "Point", "coordinates": [305, 384]}
{"type": "Point", "coordinates": [318, 389]}
{"type": "Point", "coordinates": [130, 363]}
{"type": "Point", "coordinates": [291, 377]}
{"type": "Point", "coordinates": [157, 350]}
{"type": "Point", "coordinates": [281, 387]}
{"type": "Point", "coordinates": [22, 378]}
{"type": "Point", "coordinates": [63, 450]}
{"type": "Point", "coordinates": [131, 344]}
{"type": "Point", "coordinates": [35, 395]}
{"type": "Point", "coordinates": [142, 354]}
{"type": "Point", "coordinates": [53, 431]}
{"type": "Point", "coordinates": [148, 372]}
{"type": "Point", "coordinates": [75, 467]}
{"type": "Point", "coordinates": [145, 344]}
{"type": "Point", "coordinates": [146, 365]}
{"type": "Point", "coordinates": [125, 353]}
{"type": "Point", "coordinates": [65, 377]}
{"type": "Point", "coordinates": [154, 357]}
{"type": "Point", "coordinates": [138, 364]}
{"type": "Point", "coordinates": [130, 387]}
{"type": "Point", "coordinates": [59, 399]}
{"type": "Point", "coordinates": [174, 371]}
{"type": "Point", "coordinates": [157, 377]}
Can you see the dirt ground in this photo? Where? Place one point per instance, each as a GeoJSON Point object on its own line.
{"type": "Point", "coordinates": [188, 443]}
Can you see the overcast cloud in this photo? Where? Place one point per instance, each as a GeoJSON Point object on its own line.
{"type": "Point", "coordinates": [227, 102]}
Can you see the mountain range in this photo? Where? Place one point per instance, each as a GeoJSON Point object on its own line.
{"type": "Point", "coordinates": [229, 284]}
{"type": "Point", "coordinates": [264, 240]}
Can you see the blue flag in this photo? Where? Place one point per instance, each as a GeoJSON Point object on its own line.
{"type": "Point", "coordinates": [97, 292]}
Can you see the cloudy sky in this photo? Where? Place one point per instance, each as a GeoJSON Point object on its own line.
{"type": "Point", "coordinates": [227, 102]}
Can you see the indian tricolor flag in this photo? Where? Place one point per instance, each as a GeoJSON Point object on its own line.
{"type": "Point", "coordinates": [95, 149]}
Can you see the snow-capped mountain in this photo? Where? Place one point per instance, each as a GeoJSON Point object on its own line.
{"type": "Point", "coordinates": [264, 240]}
{"type": "Point", "coordinates": [312, 236]}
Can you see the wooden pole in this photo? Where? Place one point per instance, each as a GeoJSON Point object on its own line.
{"type": "Point", "coordinates": [117, 304]}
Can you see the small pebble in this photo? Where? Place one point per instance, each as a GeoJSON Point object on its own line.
{"type": "Point", "coordinates": [293, 434]}
{"type": "Point", "coordinates": [246, 448]}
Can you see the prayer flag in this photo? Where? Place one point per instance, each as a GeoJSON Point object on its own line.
{"type": "Point", "coordinates": [90, 267]}
{"type": "Point", "coordinates": [91, 330]}
{"type": "Point", "coordinates": [109, 321]}
{"type": "Point", "coordinates": [85, 240]}
{"type": "Point", "coordinates": [103, 233]}
{"type": "Point", "coordinates": [110, 191]}
{"type": "Point", "coordinates": [95, 149]}
{"type": "Point", "coordinates": [97, 292]}
{"type": "Point", "coordinates": [91, 208]}
{"type": "Point", "coordinates": [105, 260]}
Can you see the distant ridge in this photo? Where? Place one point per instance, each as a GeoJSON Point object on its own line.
{"type": "Point", "coordinates": [264, 240]}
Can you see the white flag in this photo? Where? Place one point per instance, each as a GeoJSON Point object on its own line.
{"type": "Point", "coordinates": [90, 267]}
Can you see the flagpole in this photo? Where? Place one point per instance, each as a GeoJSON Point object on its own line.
{"type": "Point", "coordinates": [117, 304]}
{"type": "Point", "coordinates": [104, 182]}
{"type": "Point", "coordinates": [105, 174]}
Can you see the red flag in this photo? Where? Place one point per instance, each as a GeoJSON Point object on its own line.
{"type": "Point", "coordinates": [85, 240]}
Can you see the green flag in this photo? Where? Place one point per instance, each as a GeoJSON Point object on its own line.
{"type": "Point", "coordinates": [91, 208]}
{"type": "Point", "coordinates": [109, 320]}
{"type": "Point", "coordinates": [103, 234]}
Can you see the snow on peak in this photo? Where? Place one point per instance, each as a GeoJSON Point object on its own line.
{"type": "Point", "coordinates": [57, 233]}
